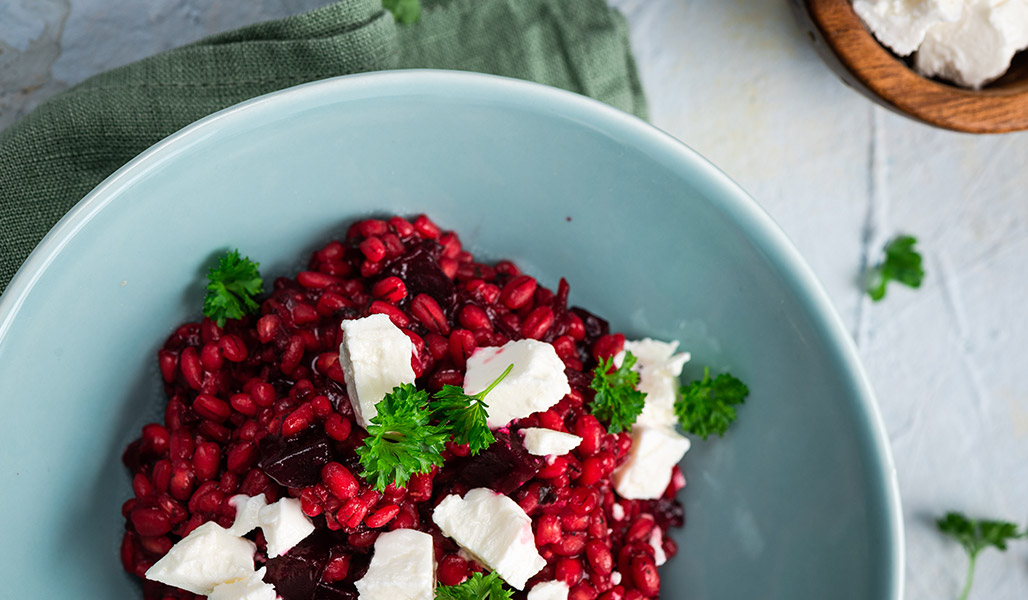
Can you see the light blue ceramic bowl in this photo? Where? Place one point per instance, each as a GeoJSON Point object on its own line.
{"type": "Point", "coordinates": [797, 502]}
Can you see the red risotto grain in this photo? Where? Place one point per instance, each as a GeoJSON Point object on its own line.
{"type": "Point", "coordinates": [259, 406]}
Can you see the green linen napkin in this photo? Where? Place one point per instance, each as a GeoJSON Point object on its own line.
{"type": "Point", "coordinates": [50, 159]}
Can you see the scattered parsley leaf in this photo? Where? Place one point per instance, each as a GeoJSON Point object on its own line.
{"type": "Point", "coordinates": [976, 535]}
{"type": "Point", "coordinates": [476, 587]}
{"type": "Point", "coordinates": [616, 401]}
{"type": "Point", "coordinates": [464, 416]}
{"type": "Point", "coordinates": [404, 11]}
{"type": "Point", "coordinates": [705, 406]}
{"type": "Point", "coordinates": [400, 442]}
{"type": "Point", "coordinates": [232, 287]}
{"type": "Point", "coordinates": [902, 263]}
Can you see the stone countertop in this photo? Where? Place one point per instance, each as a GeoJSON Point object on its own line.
{"type": "Point", "coordinates": [739, 82]}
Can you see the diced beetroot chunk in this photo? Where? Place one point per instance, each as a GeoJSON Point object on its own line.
{"type": "Point", "coordinates": [296, 462]}
{"type": "Point", "coordinates": [297, 573]}
{"type": "Point", "coordinates": [503, 467]}
{"type": "Point", "coordinates": [420, 271]}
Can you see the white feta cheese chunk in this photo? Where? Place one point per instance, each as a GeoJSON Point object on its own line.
{"type": "Point", "coordinates": [657, 543]}
{"type": "Point", "coordinates": [902, 24]}
{"type": "Point", "coordinates": [495, 530]}
{"type": "Point", "coordinates": [247, 510]}
{"type": "Point", "coordinates": [978, 48]}
{"type": "Point", "coordinates": [536, 382]}
{"type": "Point", "coordinates": [647, 472]}
{"type": "Point", "coordinates": [375, 357]}
{"type": "Point", "coordinates": [549, 590]}
{"type": "Point", "coordinates": [208, 556]}
{"type": "Point", "coordinates": [543, 442]}
{"type": "Point", "coordinates": [659, 368]}
{"type": "Point", "coordinates": [251, 588]}
{"type": "Point", "coordinates": [284, 525]}
{"type": "Point", "coordinates": [402, 568]}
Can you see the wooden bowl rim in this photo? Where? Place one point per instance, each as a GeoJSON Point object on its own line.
{"type": "Point", "coordinates": [991, 110]}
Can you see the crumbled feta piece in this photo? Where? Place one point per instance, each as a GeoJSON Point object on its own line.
{"type": "Point", "coordinates": [615, 577]}
{"type": "Point", "coordinates": [247, 509]}
{"type": "Point", "coordinates": [549, 590]}
{"type": "Point", "coordinates": [543, 442]}
{"type": "Point", "coordinates": [375, 357]}
{"type": "Point", "coordinates": [208, 556]}
{"type": "Point", "coordinates": [536, 382]}
{"type": "Point", "coordinates": [656, 542]}
{"type": "Point", "coordinates": [978, 48]}
{"type": "Point", "coordinates": [617, 511]}
{"type": "Point", "coordinates": [659, 368]}
{"type": "Point", "coordinates": [495, 530]}
{"type": "Point", "coordinates": [251, 588]}
{"type": "Point", "coordinates": [284, 525]}
{"type": "Point", "coordinates": [902, 24]}
{"type": "Point", "coordinates": [647, 472]}
{"type": "Point", "coordinates": [402, 568]}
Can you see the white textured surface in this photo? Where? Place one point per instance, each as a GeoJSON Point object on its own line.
{"type": "Point", "coordinates": [547, 442]}
{"type": "Point", "coordinates": [536, 380]}
{"type": "Point", "coordinates": [402, 568]}
{"type": "Point", "coordinates": [284, 525]}
{"type": "Point", "coordinates": [209, 556]}
{"type": "Point", "coordinates": [648, 470]}
{"type": "Point", "coordinates": [738, 81]}
{"type": "Point", "coordinates": [375, 356]}
{"type": "Point", "coordinates": [494, 530]}
{"type": "Point", "coordinates": [248, 511]}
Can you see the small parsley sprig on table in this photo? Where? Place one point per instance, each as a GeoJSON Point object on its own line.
{"type": "Point", "coordinates": [402, 441]}
{"type": "Point", "coordinates": [976, 535]}
{"type": "Point", "coordinates": [902, 264]}
{"type": "Point", "coordinates": [231, 288]}
{"type": "Point", "coordinates": [616, 401]}
{"type": "Point", "coordinates": [707, 406]}
{"type": "Point", "coordinates": [476, 587]}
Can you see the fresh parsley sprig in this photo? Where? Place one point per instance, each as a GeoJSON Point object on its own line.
{"type": "Point", "coordinates": [476, 587]}
{"type": "Point", "coordinates": [976, 535]}
{"type": "Point", "coordinates": [465, 415]}
{"type": "Point", "coordinates": [902, 264]}
{"type": "Point", "coordinates": [706, 406]}
{"type": "Point", "coordinates": [231, 288]}
{"type": "Point", "coordinates": [401, 442]}
{"type": "Point", "coordinates": [616, 401]}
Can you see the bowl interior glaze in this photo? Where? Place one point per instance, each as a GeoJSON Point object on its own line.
{"type": "Point", "coordinates": [797, 502]}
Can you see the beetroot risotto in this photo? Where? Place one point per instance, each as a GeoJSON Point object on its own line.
{"type": "Point", "coordinates": [402, 421]}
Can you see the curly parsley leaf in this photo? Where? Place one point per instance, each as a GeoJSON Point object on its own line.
{"type": "Point", "coordinates": [476, 587]}
{"type": "Point", "coordinates": [976, 535]}
{"type": "Point", "coordinates": [902, 264]}
{"type": "Point", "coordinates": [404, 11]}
{"type": "Point", "coordinates": [401, 442]}
{"type": "Point", "coordinates": [706, 406]}
{"type": "Point", "coordinates": [616, 401]}
{"type": "Point", "coordinates": [231, 288]}
{"type": "Point", "coordinates": [464, 416]}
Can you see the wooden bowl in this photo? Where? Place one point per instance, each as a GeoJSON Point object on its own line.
{"type": "Point", "coordinates": [853, 52]}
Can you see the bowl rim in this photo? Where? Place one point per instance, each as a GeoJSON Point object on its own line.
{"type": "Point", "coordinates": [869, 67]}
{"type": "Point", "coordinates": [736, 203]}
